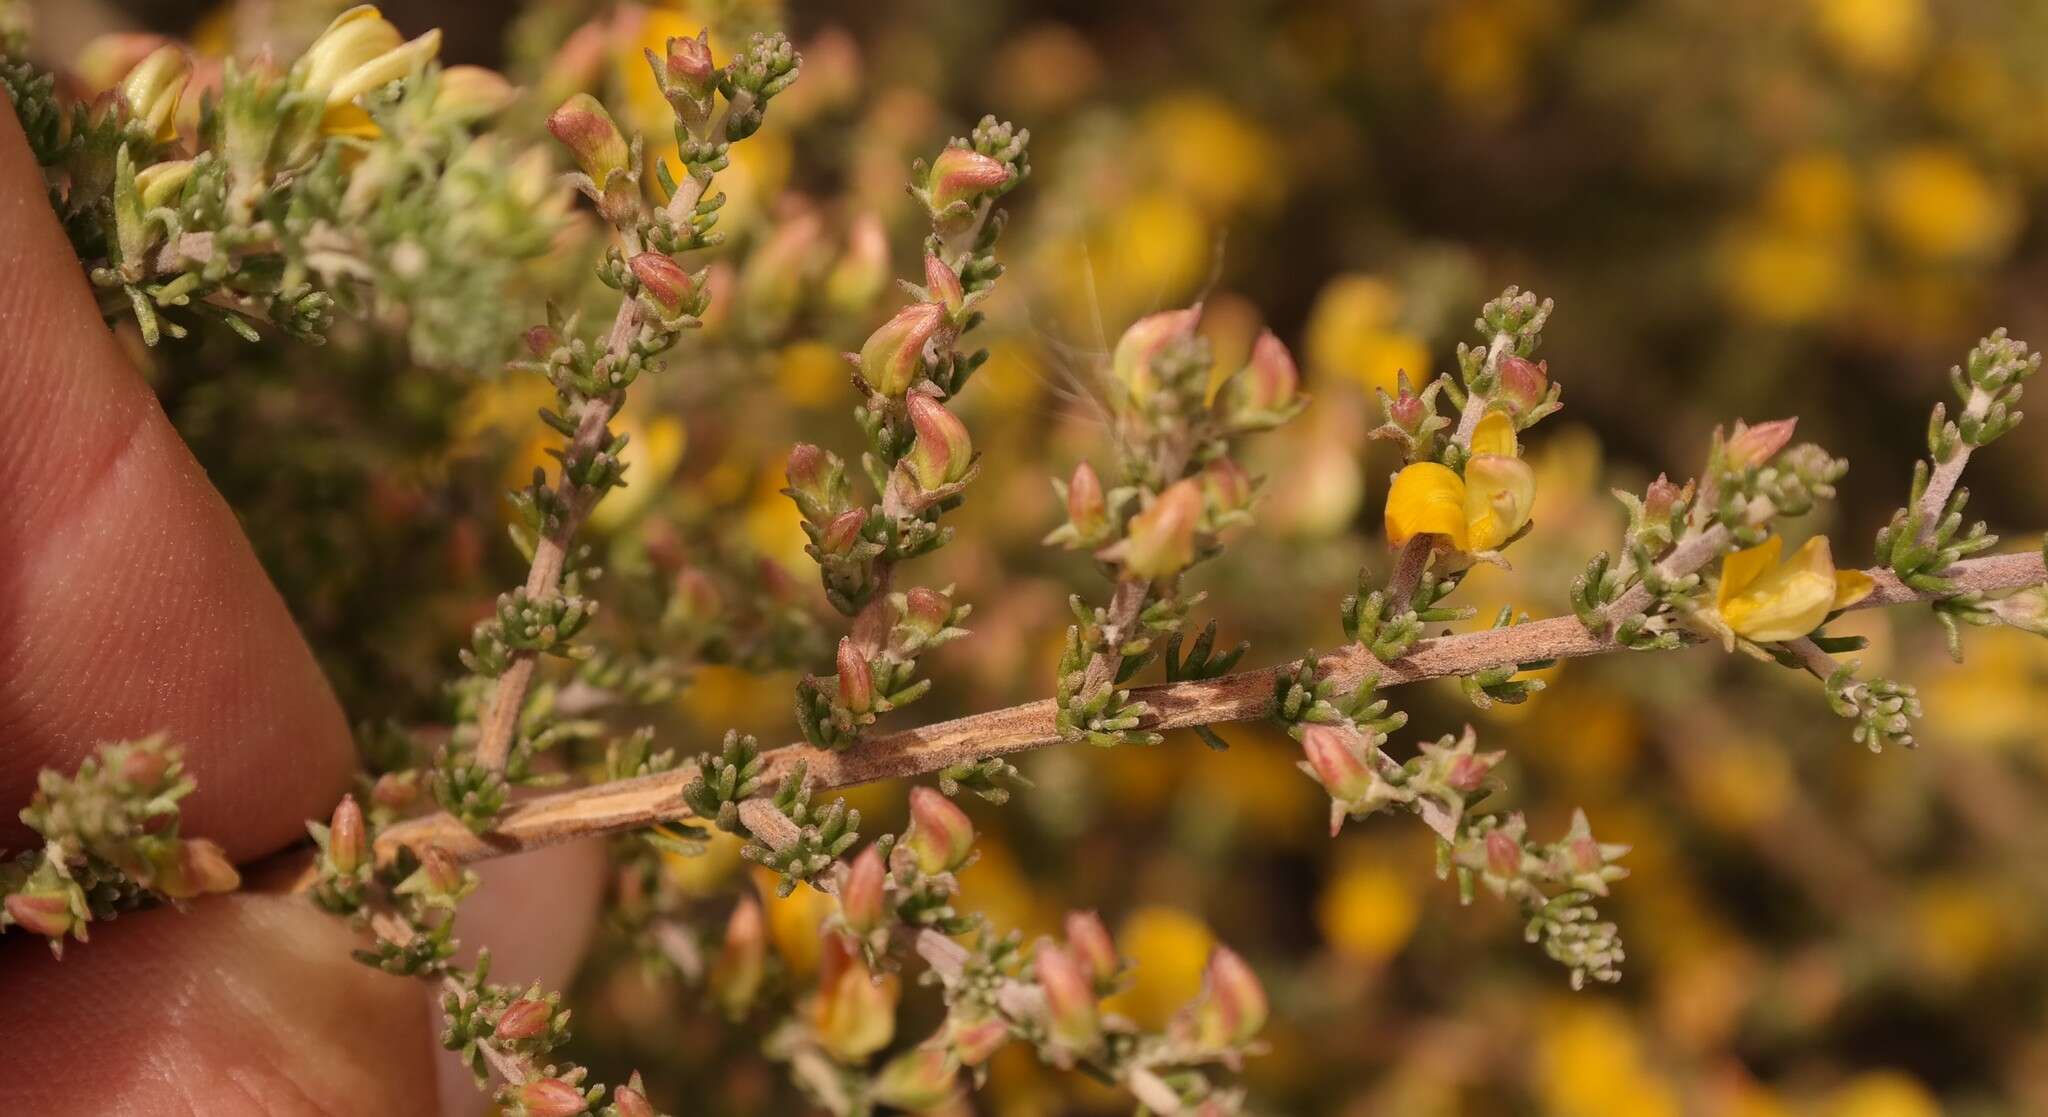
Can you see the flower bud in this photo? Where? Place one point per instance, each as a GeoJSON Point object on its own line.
{"type": "Point", "coordinates": [347, 840]}
{"type": "Point", "coordinates": [854, 1015]}
{"type": "Point", "coordinates": [814, 479]}
{"type": "Point", "coordinates": [151, 91]}
{"type": "Point", "coordinates": [1227, 487]}
{"type": "Point", "coordinates": [1750, 447]}
{"type": "Point", "coordinates": [1089, 942]}
{"type": "Point", "coordinates": [1071, 1017]}
{"type": "Point", "coordinates": [42, 913]}
{"type": "Point", "coordinates": [893, 356]}
{"type": "Point", "coordinates": [695, 601]}
{"type": "Point", "coordinates": [144, 768]}
{"type": "Point", "coordinates": [524, 1018]}
{"type": "Point", "coordinates": [541, 341]}
{"type": "Point", "coordinates": [689, 67]}
{"type": "Point", "coordinates": [917, 1080]}
{"type": "Point", "coordinates": [1503, 854]}
{"type": "Point", "coordinates": [960, 174]}
{"type": "Point", "coordinates": [204, 869]}
{"type": "Point", "coordinates": [976, 1043]}
{"type": "Point", "coordinates": [1468, 771]}
{"type": "Point", "coordinates": [1523, 383]}
{"type": "Point", "coordinates": [1407, 411]}
{"type": "Point", "coordinates": [742, 959]}
{"type": "Point", "coordinates": [942, 452]}
{"type": "Point", "coordinates": [1337, 757]}
{"type": "Point", "coordinates": [1131, 361]}
{"type": "Point", "coordinates": [549, 1097]}
{"type": "Point", "coordinates": [664, 282]}
{"type": "Point", "coordinates": [942, 283]}
{"type": "Point", "coordinates": [1662, 496]}
{"type": "Point", "coordinates": [941, 838]}
{"type": "Point", "coordinates": [840, 535]}
{"type": "Point", "coordinates": [1087, 509]}
{"type": "Point", "coordinates": [630, 1101]}
{"type": "Point", "coordinates": [105, 59]}
{"type": "Point", "coordinates": [1268, 385]}
{"type": "Point", "coordinates": [861, 895]}
{"type": "Point", "coordinates": [926, 612]}
{"type": "Point", "coordinates": [856, 680]}
{"type": "Point", "coordinates": [1161, 539]}
{"type": "Point", "coordinates": [395, 791]}
{"type": "Point", "coordinates": [1233, 1007]}
{"type": "Point", "coordinates": [586, 129]}
{"type": "Point", "coordinates": [471, 93]}
{"type": "Point", "coordinates": [160, 183]}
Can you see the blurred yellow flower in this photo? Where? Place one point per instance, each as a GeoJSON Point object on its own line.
{"type": "Point", "coordinates": [1958, 926]}
{"type": "Point", "coordinates": [1479, 51]}
{"type": "Point", "coordinates": [1211, 151]}
{"type": "Point", "coordinates": [1937, 204]}
{"type": "Point", "coordinates": [1882, 37]}
{"type": "Point", "coordinates": [654, 448]}
{"type": "Point", "coordinates": [1591, 1066]}
{"type": "Point", "coordinates": [1353, 334]}
{"type": "Point", "coordinates": [1766, 600]}
{"type": "Point", "coordinates": [811, 374]}
{"type": "Point", "coordinates": [1778, 275]}
{"type": "Point", "coordinates": [1368, 910]}
{"type": "Point", "coordinates": [1999, 698]}
{"type": "Point", "coordinates": [709, 873]}
{"type": "Point", "coordinates": [1157, 247]}
{"type": "Point", "coordinates": [1738, 784]}
{"type": "Point", "coordinates": [1881, 1094]}
{"type": "Point", "coordinates": [1170, 947]}
{"type": "Point", "coordinates": [1813, 193]}
{"type": "Point", "coordinates": [794, 921]}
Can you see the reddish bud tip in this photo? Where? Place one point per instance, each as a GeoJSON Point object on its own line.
{"type": "Point", "coordinates": [1089, 942]}
{"type": "Point", "coordinates": [861, 897]}
{"type": "Point", "coordinates": [347, 838]}
{"type": "Point", "coordinates": [1069, 997]}
{"type": "Point", "coordinates": [892, 358]}
{"type": "Point", "coordinates": [942, 452]}
{"type": "Point", "coordinates": [942, 283]}
{"type": "Point", "coordinates": [856, 680]}
{"type": "Point", "coordinates": [584, 127]}
{"type": "Point", "coordinates": [664, 281]}
{"type": "Point", "coordinates": [1161, 539]}
{"type": "Point", "coordinates": [1337, 756]}
{"type": "Point", "coordinates": [1750, 447]}
{"type": "Point", "coordinates": [550, 1097]}
{"type": "Point", "coordinates": [961, 174]}
{"type": "Point", "coordinates": [1523, 383]}
{"type": "Point", "coordinates": [524, 1018]}
{"type": "Point", "coordinates": [41, 913]}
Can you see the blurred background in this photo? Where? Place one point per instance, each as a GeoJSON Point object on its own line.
{"type": "Point", "coordinates": [1743, 208]}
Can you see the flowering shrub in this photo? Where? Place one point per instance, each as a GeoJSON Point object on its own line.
{"type": "Point", "coordinates": [408, 214]}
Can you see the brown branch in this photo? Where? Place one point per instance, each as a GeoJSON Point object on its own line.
{"type": "Point", "coordinates": [636, 803]}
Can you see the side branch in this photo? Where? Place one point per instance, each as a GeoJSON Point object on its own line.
{"type": "Point", "coordinates": [1247, 695]}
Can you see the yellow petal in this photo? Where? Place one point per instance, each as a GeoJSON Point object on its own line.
{"type": "Point", "coordinates": [1852, 586]}
{"type": "Point", "coordinates": [1499, 493]}
{"type": "Point", "coordinates": [349, 120]}
{"type": "Point", "coordinates": [1741, 568]}
{"type": "Point", "coordinates": [375, 73]}
{"type": "Point", "coordinates": [1788, 601]}
{"type": "Point", "coordinates": [1495, 434]}
{"type": "Point", "coordinates": [1426, 499]}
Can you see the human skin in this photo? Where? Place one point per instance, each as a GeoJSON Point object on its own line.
{"type": "Point", "coordinates": [131, 603]}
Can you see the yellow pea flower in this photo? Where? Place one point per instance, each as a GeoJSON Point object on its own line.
{"type": "Point", "coordinates": [1764, 599]}
{"type": "Point", "coordinates": [359, 52]}
{"type": "Point", "coordinates": [1479, 511]}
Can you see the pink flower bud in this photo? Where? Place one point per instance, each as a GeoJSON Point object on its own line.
{"type": "Point", "coordinates": [41, 913]}
{"type": "Point", "coordinates": [1131, 361]}
{"type": "Point", "coordinates": [689, 67]}
{"type": "Point", "coordinates": [942, 452]}
{"type": "Point", "coordinates": [961, 174]}
{"type": "Point", "coordinates": [1585, 854]}
{"type": "Point", "coordinates": [812, 473]}
{"type": "Point", "coordinates": [978, 1042]}
{"type": "Point", "coordinates": [840, 535]}
{"type": "Point", "coordinates": [742, 959]}
{"type": "Point", "coordinates": [541, 341]}
{"type": "Point", "coordinates": [1226, 485]}
{"type": "Point", "coordinates": [205, 869]}
{"type": "Point", "coordinates": [1090, 944]}
{"type": "Point", "coordinates": [664, 281]}
{"type": "Point", "coordinates": [347, 842]}
{"type": "Point", "coordinates": [1407, 411]}
{"type": "Point", "coordinates": [1087, 510]}
{"type": "Point", "coordinates": [942, 283]}
{"type": "Point", "coordinates": [1337, 756]}
{"type": "Point", "coordinates": [1161, 539]}
{"type": "Point", "coordinates": [630, 1102]}
{"type": "Point", "coordinates": [696, 600]}
{"type": "Point", "coordinates": [893, 356]}
{"type": "Point", "coordinates": [1503, 854]}
{"type": "Point", "coordinates": [1662, 496]}
{"type": "Point", "coordinates": [1269, 384]}
{"type": "Point", "coordinates": [917, 1080]}
{"type": "Point", "coordinates": [927, 611]}
{"type": "Point", "coordinates": [1523, 383]}
{"type": "Point", "coordinates": [549, 1097]}
{"type": "Point", "coordinates": [940, 837]}
{"type": "Point", "coordinates": [1468, 771]}
{"type": "Point", "coordinates": [144, 768]}
{"type": "Point", "coordinates": [524, 1018]}
{"type": "Point", "coordinates": [1232, 1008]}
{"type": "Point", "coordinates": [584, 127]}
{"type": "Point", "coordinates": [395, 791]}
{"type": "Point", "coordinates": [861, 894]}
{"type": "Point", "coordinates": [856, 680]}
{"type": "Point", "coordinates": [1069, 998]}
{"type": "Point", "coordinates": [1750, 447]}
{"type": "Point", "coordinates": [443, 872]}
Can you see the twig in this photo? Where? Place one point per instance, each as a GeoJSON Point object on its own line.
{"type": "Point", "coordinates": [637, 803]}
